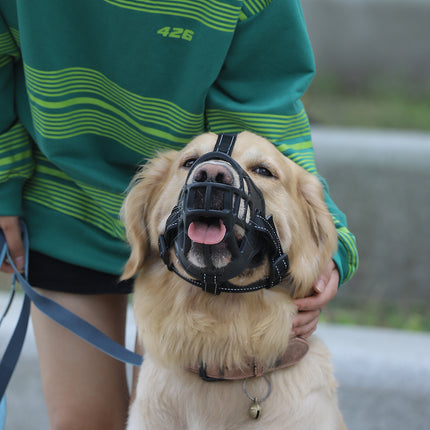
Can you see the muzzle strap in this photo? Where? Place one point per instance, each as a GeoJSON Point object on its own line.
{"type": "Point", "coordinates": [279, 263]}
{"type": "Point", "coordinates": [225, 143]}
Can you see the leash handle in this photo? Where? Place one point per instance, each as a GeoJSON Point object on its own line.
{"type": "Point", "coordinates": [56, 312]}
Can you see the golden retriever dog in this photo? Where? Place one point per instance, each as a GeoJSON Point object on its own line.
{"type": "Point", "coordinates": [184, 329]}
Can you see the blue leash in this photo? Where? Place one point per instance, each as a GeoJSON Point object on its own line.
{"type": "Point", "coordinates": [55, 311]}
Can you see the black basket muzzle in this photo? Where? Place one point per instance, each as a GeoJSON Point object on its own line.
{"type": "Point", "coordinates": [233, 206]}
{"type": "Point", "coordinates": [230, 201]}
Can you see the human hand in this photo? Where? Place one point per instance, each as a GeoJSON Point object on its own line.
{"type": "Point", "coordinates": [12, 232]}
{"type": "Point", "coordinates": [309, 308]}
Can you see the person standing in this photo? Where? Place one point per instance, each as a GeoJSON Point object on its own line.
{"type": "Point", "coordinates": [91, 89]}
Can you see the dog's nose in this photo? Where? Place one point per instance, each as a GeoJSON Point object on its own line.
{"type": "Point", "coordinates": [213, 172]}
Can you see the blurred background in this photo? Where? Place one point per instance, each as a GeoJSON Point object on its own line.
{"type": "Point", "coordinates": [369, 106]}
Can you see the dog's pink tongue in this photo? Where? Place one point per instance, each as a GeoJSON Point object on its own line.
{"type": "Point", "coordinates": [201, 232]}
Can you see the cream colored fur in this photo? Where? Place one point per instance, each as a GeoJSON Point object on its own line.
{"type": "Point", "coordinates": [180, 325]}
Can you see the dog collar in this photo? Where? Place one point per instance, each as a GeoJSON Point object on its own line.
{"type": "Point", "coordinates": [260, 232]}
{"type": "Point", "coordinates": [297, 348]}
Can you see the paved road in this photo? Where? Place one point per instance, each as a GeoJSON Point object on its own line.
{"type": "Point", "coordinates": [384, 377]}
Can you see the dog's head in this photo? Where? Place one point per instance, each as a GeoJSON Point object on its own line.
{"type": "Point", "coordinates": [218, 220]}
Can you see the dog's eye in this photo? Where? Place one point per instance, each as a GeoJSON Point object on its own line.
{"type": "Point", "coordinates": [189, 163]}
{"type": "Point", "coordinates": [262, 171]}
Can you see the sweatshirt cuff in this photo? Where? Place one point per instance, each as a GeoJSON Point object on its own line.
{"type": "Point", "coordinates": [11, 198]}
{"type": "Point", "coordinates": [339, 258]}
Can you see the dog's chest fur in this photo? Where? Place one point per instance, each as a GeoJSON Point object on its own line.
{"type": "Point", "coordinates": [182, 326]}
{"type": "Point", "coordinates": [175, 398]}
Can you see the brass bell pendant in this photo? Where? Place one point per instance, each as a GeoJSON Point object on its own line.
{"type": "Point", "coordinates": [255, 410]}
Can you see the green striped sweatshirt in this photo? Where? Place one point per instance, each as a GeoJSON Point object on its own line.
{"type": "Point", "coordinates": [90, 89]}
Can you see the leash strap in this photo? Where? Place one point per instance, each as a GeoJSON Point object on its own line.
{"type": "Point", "coordinates": [56, 312]}
{"type": "Point", "coordinates": [2, 412]}
{"type": "Point", "coordinates": [79, 326]}
{"type": "Point", "coordinates": [14, 347]}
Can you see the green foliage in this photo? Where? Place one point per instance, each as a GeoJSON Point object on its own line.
{"type": "Point", "coordinates": [411, 317]}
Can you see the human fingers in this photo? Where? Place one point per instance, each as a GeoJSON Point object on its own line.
{"type": "Point", "coordinates": [312, 303]}
{"type": "Point", "coordinates": [325, 277]}
{"type": "Point", "coordinates": [319, 300]}
{"type": "Point", "coordinates": [305, 323]}
{"type": "Point", "coordinates": [12, 232]}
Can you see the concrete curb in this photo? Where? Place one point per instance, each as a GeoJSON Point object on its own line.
{"type": "Point", "coordinates": [394, 148]}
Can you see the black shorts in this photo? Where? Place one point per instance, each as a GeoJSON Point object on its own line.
{"type": "Point", "coordinates": [52, 274]}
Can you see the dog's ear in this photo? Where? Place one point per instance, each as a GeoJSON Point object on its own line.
{"type": "Point", "coordinates": [317, 215]}
{"type": "Point", "coordinates": [317, 237]}
{"type": "Point", "coordinates": [144, 192]}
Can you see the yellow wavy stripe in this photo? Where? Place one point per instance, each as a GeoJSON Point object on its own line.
{"type": "Point", "coordinates": [5, 60]}
{"type": "Point", "coordinates": [82, 121]}
{"type": "Point", "coordinates": [23, 171]}
{"type": "Point", "coordinates": [16, 160]}
{"type": "Point", "coordinates": [214, 14]}
{"type": "Point", "coordinates": [274, 127]}
{"type": "Point", "coordinates": [16, 138]}
{"type": "Point", "coordinates": [111, 202]}
{"type": "Point", "coordinates": [67, 82]}
{"type": "Point", "coordinates": [72, 202]}
{"type": "Point", "coordinates": [6, 43]}
{"type": "Point", "coordinates": [347, 238]}
{"type": "Point", "coordinates": [291, 133]}
{"type": "Point", "coordinates": [71, 102]}
{"type": "Point", "coordinates": [305, 160]}
{"type": "Point", "coordinates": [253, 7]}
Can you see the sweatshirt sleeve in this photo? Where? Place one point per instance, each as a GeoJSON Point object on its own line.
{"type": "Point", "coordinates": [15, 145]}
{"type": "Point", "coordinates": [268, 68]}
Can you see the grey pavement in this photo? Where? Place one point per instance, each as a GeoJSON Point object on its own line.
{"type": "Point", "coordinates": [384, 377]}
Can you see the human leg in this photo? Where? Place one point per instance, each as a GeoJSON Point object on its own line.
{"type": "Point", "coordinates": [84, 388]}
